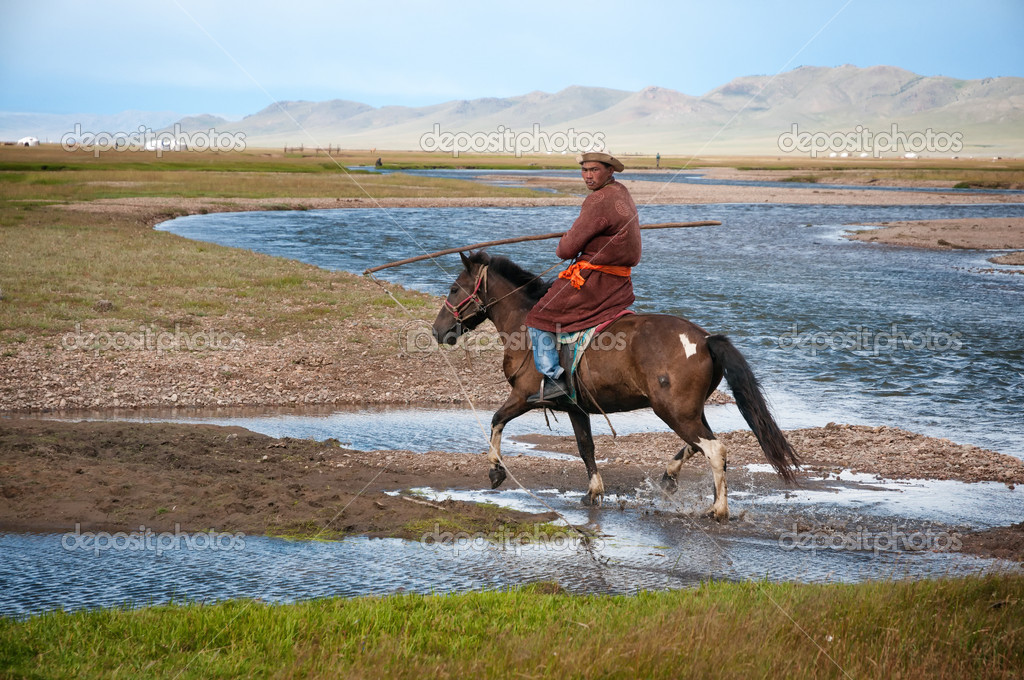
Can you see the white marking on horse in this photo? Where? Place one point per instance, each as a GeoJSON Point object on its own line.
{"type": "Point", "coordinates": [688, 346]}
{"type": "Point", "coordinates": [494, 454]}
{"type": "Point", "coordinates": [714, 451]}
{"type": "Point", "coordinates": [596, 490]}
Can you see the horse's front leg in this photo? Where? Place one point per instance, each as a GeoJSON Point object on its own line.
{"type": "Point", "coordinates": [585, 443]}
{"type": "Point", "coordinates": [513, 407]}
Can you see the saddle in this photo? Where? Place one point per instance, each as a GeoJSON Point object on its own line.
{"type": "Point", "coordinates": [572, 345]}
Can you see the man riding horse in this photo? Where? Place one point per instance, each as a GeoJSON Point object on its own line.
{"type": "Point", "coordinates": [604, 241]}
{"type": "Point", "coordinates": [663, 362]}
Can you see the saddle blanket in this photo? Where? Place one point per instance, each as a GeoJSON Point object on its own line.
{"type": "Point", "coordinates": [573, 344]}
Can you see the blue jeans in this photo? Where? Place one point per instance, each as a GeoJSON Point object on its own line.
{"type": "Point", "coordinates": [545, 352]}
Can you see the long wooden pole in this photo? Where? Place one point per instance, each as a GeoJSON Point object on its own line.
{"type": "Point", "coordinates": [520, 239]}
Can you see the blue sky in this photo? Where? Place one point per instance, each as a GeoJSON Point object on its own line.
{"type": "Point", "coordinates": [235, 58]}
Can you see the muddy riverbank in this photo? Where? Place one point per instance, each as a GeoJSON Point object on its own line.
{"type": "Point", "coordinates": [118, 476]}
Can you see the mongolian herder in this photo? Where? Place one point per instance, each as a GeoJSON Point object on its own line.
{"type": "Point", "coordinates": [604, 241]}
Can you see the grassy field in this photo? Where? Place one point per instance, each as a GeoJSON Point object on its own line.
{"type": "Point", "coordinates": [50, 175]}
{"type": "Point", "coordinates": [969, 628]}
{"type": "Point", "coordinates": [51, 158]}
{"type": "Point", "coordinates": [56, 264]}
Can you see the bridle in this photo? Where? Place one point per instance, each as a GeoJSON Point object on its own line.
{"type": "Point", "coordinates": [481, 285]}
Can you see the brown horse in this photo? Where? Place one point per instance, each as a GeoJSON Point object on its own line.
{"type": "Point", "coordinates": [649, 360]}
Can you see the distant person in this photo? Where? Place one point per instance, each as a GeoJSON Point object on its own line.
{"type": "Point", "coordinates": [657, 160]}
{"type": "Point", "coordinates": [604, 241]}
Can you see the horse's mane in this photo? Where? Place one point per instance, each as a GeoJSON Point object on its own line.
{"type": "Point", "coordinates": [532, 285]}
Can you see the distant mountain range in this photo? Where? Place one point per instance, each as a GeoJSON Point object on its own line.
{"type": "Point", "coordinates": [744, 116]}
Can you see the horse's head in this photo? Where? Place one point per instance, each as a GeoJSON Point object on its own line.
{"type": "Point", "coordinates": [464, 309]}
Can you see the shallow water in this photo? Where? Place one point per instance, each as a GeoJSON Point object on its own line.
{"type": "Point", "coordinates": [846, 530]}
{"type": "Point", "coordinates": [836, 330]}
{"type": "Point", "coordinates": [410, 429]}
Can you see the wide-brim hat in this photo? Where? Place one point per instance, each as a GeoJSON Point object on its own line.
{"type": "Point", "coordinates": [601, 157]}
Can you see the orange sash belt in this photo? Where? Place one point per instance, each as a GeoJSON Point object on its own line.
{"type": "Point", "coordinates": [576, 279]}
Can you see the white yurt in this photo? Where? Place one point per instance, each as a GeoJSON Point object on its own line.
{"type": "Point", "coordinates": [28, 141]}
{"type": "Point", "coordinates": [162, 144]}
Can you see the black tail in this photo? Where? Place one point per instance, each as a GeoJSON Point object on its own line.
{"type": "Point", "coordinates": [747, 392]}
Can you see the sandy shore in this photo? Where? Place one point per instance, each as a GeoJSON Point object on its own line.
{"type": "Point", "coordinates": [849, 176]}
{"type": "Point", "coordinates": [654, 193]}
{"type": "Point", "coordinates": [317, 368]}
{"type": "Point", "coordinates": [994, 233]}
{"type": "Point", "coordinates": [119, 476]}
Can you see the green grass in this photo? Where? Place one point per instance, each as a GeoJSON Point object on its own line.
{"type": "Point", "coordinates": [970, 628]}
{"type": "Point", "coordinates": [89, 184]}
{"type": "Point", "coordinates": [58, 264]}
{"type": "Point", "coordinates": [488, 520]}
{"type": "Point", "coordinates": [985, 184]}
{"type": "Point", "coordinates": [485, 520]}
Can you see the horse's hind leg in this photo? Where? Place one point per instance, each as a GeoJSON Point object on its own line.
{"type": "Point", "coordinates": [585, 443]}
{"type": "Point", "coordinates": [698, 437]}
{"type": "Point", "coordinates": [714, 451]}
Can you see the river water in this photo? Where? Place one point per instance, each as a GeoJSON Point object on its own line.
{"type": "Point", "coordinates": [849, 530]}
{"type": "Point", "coordinates": [836, 330]}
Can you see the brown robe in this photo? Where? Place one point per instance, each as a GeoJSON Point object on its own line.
{"type": "Point", "coordinates": [606, 232]}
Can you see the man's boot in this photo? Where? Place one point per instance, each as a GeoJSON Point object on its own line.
{"type": "Point", "coordinates": [551, 390]}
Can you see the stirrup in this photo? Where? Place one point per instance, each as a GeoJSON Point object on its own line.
{"type": "Point", "coordinates": [551, 390]}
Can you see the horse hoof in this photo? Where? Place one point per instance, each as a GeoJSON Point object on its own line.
{"type": "Point", "coordinates": [711, 514]}
{"type": "Point", "coordinates": [497, 475]}
{"type": "Point", "coordinates": [668, 483]}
